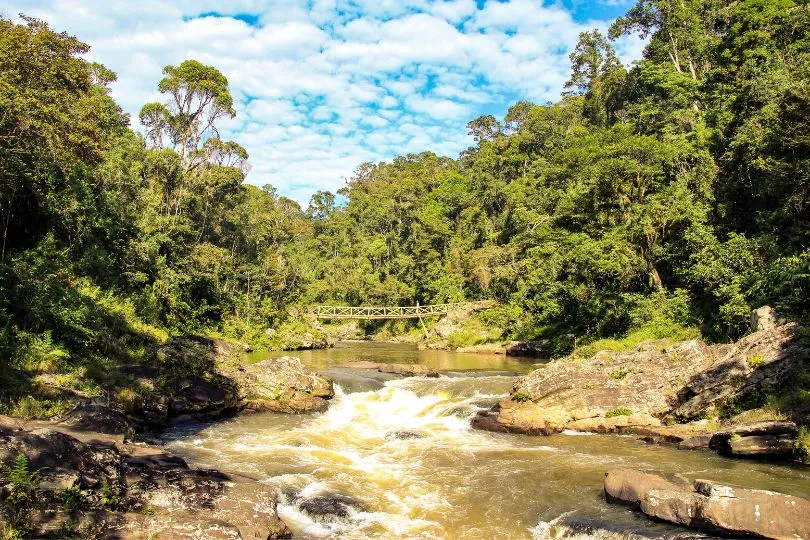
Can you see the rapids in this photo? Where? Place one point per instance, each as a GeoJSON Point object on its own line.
{"type": "Point", "coordinates": [403, 449]}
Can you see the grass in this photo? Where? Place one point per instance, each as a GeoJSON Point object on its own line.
{"type": "Point", "coordinates": [669, 332]}
{"type": "Point", "coordinates": [620, 374]}
{"type": "Point", "coordinates": [619, 411]}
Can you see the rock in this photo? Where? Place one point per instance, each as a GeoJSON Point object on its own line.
{"type": "Point", "coordinates": [403, 435]}
{"type": "Point", "coordinates": [328, 507]}
{"type": "Point", "coordinates": [281, 385]}
{"type": "Point", "coordinates": [696, 442]}
{"type": "Point", "coordinates": [761, 446]}
{"type": "Point", "coordinates": [764, 318]}
{"type": "Point", "coordinates": [629, 486]}
{"type": "Point", "coordinates": [654, 383]}
{"type": "Point", "coordinates": [601, 424]}
{"type": "Point", "coordinates": [98, 419]}
{"type": "Point", "coordinates": [406, 370]}
{"type": "Point", "coordinates": [712, 507]}
{"type": "Point", "coordinates": [679, 507]}
{"type": "Point", "coordinates": [756, 440]}
{"type": "Point", "coordinates": [528, 348]}
{"type": "Point", "coordinates": [134, 480]}
{"type": "Point", "coordinates": [761, 428]}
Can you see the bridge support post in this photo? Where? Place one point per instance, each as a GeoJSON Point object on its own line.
{"type": "Point", "coordinates": [424, 328]}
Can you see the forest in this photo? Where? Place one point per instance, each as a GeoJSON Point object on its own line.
{"type": "Point", "coordinates": [666, 199]}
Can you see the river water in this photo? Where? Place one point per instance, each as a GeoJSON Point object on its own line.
{"type": "Point", "coordinates": [404, 450]}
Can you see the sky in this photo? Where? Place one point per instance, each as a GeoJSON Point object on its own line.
{"type": "Point", "coordinates": [322, 86]}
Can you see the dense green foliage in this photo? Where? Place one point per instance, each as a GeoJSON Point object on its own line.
{"type": "Point", "coordinates": [643, 203]}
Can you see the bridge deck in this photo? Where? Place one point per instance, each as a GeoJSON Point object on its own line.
{"type": "Point", "coordinates": [391, 312]}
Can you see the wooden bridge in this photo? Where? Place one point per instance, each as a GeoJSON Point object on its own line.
{"type": "Point", "coordinates": [400, 312]}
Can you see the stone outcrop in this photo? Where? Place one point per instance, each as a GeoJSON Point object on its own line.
{"type": "Point", "coordinates": [198, 378]}
{"type": "Point", "coordinates": [405, 370]}
{"type": "Point", "coordinates": [281, 385]}
{"type": "Point", "coordinates": [654, 385]}
{"type": "Point", "coordinates": [132, 491]}
{"type": "Point", "coordinates": [709, 506]}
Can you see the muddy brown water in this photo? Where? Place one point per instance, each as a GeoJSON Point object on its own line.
{"type": "Point", "coordinates": [404, 449]}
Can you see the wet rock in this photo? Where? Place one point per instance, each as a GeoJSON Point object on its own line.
{"type": "Point", "coordinates": [281, 385]}
{"type": "Point", "coordinates": [406, 370]}
{"type": "Point", "coordinates": [403, 435]}
{"type": "Point", "coordinates": [488, 421]}
{"type": "Point", "coordinates": [629, 486]}
{"type": "Point", "coordinates": [329, 507]}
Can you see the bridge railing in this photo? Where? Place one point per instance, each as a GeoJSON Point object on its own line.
{"type": "Point", "coordinates": [391, 312]}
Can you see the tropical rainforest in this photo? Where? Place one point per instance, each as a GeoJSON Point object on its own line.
{"type": "Point", "coordinates": [662, 200]}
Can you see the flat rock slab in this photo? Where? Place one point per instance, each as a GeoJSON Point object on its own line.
{"type": "Point", "coordinates": [710, 506]}
{"type": "Point", "coordinates": [406, 370]}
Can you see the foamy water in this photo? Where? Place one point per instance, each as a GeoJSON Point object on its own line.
{"type": "Point", "coordinates": [406, 453]}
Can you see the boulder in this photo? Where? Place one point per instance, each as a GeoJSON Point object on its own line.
{"type": "Point", "coordinates": [629, 486]}
{"type": "Point", "coordinates": [680, 507]}
{"type": "Point", "coordinates": [281, 385]}
{"type": "Point", "coordinates": [764, 318]}
{"type": "Point", "coordinates": [756, 440]}
{"type": "Point", "coordinates": [99, 419]}
{"type": "Point", "coordinates": [329, 507]}
{"type": "Point", "coordinates": [711, 507]}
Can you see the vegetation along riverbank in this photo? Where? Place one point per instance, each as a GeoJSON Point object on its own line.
{"type": "Point", "coordinates": [627, 232]}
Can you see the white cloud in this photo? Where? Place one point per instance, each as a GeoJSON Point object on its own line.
{"type": "Point", "coordinates": [323, 85]}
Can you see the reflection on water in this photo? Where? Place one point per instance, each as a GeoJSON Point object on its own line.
{"type": "Point", "coordinates": [404, 448]}
{"type": "Point", "coordinates": [399, 353]}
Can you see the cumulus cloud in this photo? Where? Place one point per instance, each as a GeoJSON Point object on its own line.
{"type": "Point", "coordinates": [324, 85]}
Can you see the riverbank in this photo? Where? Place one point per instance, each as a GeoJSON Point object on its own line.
{"type": "Point", "coordinates": [720, 397]}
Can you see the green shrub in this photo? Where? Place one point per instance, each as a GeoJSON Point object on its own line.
{"type": "Point", "coordinates": [755, 360]}
{"type": "Point", "coordinates": [31, 408]}
{"type": "Point", "coordinates": [620, 374]}
{"type": "Point", "coordinates": [620, 411]}
{"type": "Point", "coordinates": [109, 496]}
{"type": "Point", "coordinates": [521, 396]}
{"type": "Point", "coordinates": [72, 497]}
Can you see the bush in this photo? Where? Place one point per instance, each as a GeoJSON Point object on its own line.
{"type": "Point", "coordinates": [521, 396]}
{"type": "Point", "coordinates": [31, 408]}
{"type": "Point", "coordinates": [755, 360]}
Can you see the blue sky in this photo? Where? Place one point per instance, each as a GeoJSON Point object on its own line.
{"type": "Point", "coordinates": [324, 85]}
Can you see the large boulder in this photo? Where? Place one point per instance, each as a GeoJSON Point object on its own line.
{"type": "Point", "coordinates": [617, 391]}
{"type": "Point", "coordinates": [709, 506]}
{"type": "Point", "coordinates": [281, 385]}
{"type": "Point", "coordinates": [629, 486]}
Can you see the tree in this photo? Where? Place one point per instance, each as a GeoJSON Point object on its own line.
{"type": "Point", "coordinates": [592, 59]}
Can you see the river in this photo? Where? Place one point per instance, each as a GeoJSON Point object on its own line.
{"type": "Point", "coordinates": [404, 449]}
